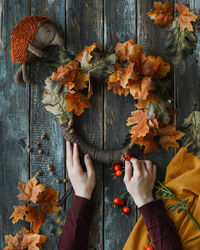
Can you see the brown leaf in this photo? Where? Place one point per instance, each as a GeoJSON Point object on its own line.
{"type": "Point", "coordinates": [30, 191]}
{"type": "Point", "coordinates": [185, 17]}
{"type": "Point", "coordinates": [148, 142]}
{"type": "Point", "coordinates": [162, 16]}
{"type": "Point", "coordinates": [150, 98]}
{"type": "Point", "coordinates": [89, 49]}
{"type": "Point", "coordinates": [169, 136]}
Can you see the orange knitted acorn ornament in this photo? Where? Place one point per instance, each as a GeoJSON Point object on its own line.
{"type": "Point", "coordinates": [23, 34]}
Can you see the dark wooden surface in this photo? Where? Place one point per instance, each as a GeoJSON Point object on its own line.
{"type": "Point", "coordinates": [23, 118]}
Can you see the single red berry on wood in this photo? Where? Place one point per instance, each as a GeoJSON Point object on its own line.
{"type": "Point", "coordinates": [121, 202]}
{"type": "Point", "coordinates": [127, 157]}
{"type": "Point", "coordinates": [149, 248]}
{"type": "Point", "coordinates": [117, 167]}
{"type": "Point", "coordinates": [126, 210]}
{"type": "Point", "coordinates": [118, 173]}
{"type": "Point", "coordinates": [116, 201]}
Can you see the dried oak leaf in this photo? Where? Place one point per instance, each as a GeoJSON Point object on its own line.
{"type": "Point", "coordinates": [48, 200]}
{"type": "Point", "coordinates": [36, 216]}
{"type": "Point", "coordinates": [77, 102]}
{"type": "Point", "coordinates": [191, 127]}
{"type": "Point", "coordinates": [140, 89]}
{"type": "Point", "coordinates": [169, 136]}
{"type": "Point", "coordinates": [53, 99]}
{"type": "Point", "coordinates": [148, 141]}
{"type": "Point", "coordinates": [140, 122]}
{"type": "Point", "coordinates": [30, 191]}
{"type": "Point", "coordinates": [24, 239]}
{"type": "Point", "coordinates": [185, 17]}
{"type": "Point", "coordinates": [19, 213]}
{"type": "Point", "coordinates": [162, 16]}
{"type": "Point", "coordinates": [117, 88]}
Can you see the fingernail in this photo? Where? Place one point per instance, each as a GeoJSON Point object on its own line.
{"type": "Point", "coordinates": [87, 156]}
{"type": "Point", "coordinates": [68, 142]}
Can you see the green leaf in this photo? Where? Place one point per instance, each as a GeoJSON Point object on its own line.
{"type": "Point", "coordinates": [53, 99]}
{"type": "Point", "coordinates": [191, 127]}
{"type": "Point", "coordinates": [179, 43]}
{"type": "Point", "coordinates": [98, 63]}
{"type": "Point", "coordinates": [180, 210]}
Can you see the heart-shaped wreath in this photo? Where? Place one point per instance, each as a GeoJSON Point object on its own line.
{"type": "Point", "coordinates": [127, 70]}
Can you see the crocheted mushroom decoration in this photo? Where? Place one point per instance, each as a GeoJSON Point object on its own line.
{"type": "Point", "coordinates": [29, 37]}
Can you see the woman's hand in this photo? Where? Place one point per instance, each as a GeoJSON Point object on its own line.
{"type": "Point", "coordinates": [82, 182]}
{"type": "Point", "coordinates": [139, 179]}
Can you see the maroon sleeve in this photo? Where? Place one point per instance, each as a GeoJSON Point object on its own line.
{"type": "Point", "coordinates": [76, 229]}
{"type": "Point", "coordinates": [162, 230]}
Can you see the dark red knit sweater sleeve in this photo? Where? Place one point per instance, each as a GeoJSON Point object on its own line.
{"type": "Point", "coordinates": [76, 229]}
{"type": "Point", "coordinates": [162, 230]}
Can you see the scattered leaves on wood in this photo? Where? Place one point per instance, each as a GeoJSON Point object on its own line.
{"type": "Point", "coordinates": [24, 239]}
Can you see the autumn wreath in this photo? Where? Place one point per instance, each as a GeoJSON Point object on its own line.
{"type": "Point", "coordinates": [127, 70]}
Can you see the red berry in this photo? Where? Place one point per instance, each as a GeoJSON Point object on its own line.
{"type": "Point", "coordinates": [116, 201]}
{"type": "Point", "coordinates": [121, 202]}
{"type": "Point", "coordinates": [127, 157]}
{"type": "Point", "coordinates": [117, 167]}
{"type": "Point", "coordinates": [149, 248]}
{"type": "Point", "coordinates": [126, 210]}
{"type": "Point", "coordinates": [118, 173]}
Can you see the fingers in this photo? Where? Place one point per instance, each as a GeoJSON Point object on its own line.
{"type": "Point", "coordinates": [76, 160]}
{"type": "Point", "coordinates": [149, 167]}
{"type": "Point", "coordinates": [89, 165]}
{"type": "Point", "coordinates": [128, 171]}
{"type": "Point", "coordinates": [136, 167]}
{"type": "Point", "coordinates": [69, 156]}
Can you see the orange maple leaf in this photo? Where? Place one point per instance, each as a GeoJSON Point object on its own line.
{"type": "Point", "coordinates": [148, 142]}
{"type": "Point", "coordinates": [117, 88]}
{"type": "Point", "coordinates": [24, 239]}
{"type": "Point", "coordinates": [155, 67]}
{"type": "Point", "coordinates": [128, 51]}
{"type": "Point", "coordinates": [30, 191]}
{"type": "Point", "coordinates": [185, 17]}
{"type": "Point", "coordinates": [66, 74]}
{"type": "Point", "coordinates": [18, 213]}
{"type": "Point", "coordinates": [36, 216]}
{"type": "Point", "coordinates": [139, 120]}
{"type": "Point", "coordinates": [162, 16]}
{"type": "Point", "coordinates": [169, 136]}
{"type": "Point", "coordinates": [89, 49]}
{"type": "Point", "coordinates": [140, 89]}
{"type": "Point", "coordinates": [77, 102]}
{"type": "Point", "coordinates": [123, 75]}
{"type": "Point", "coordinates": [48, 200]}
{"type": "Point", "coordinates": [150, 98]}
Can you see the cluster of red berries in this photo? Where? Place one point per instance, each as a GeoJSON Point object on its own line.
{"type": "Point", "coordinates": [126, 156]}
{"type": "Point", "coordinates": [118, 168]}
{"type": "Point", "coordinates": [120, 203]}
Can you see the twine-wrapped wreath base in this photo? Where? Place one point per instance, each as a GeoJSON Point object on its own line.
{"type": "Point", "coordinates": [127, 70]}
{"type": "Point", "coordinates": [99, 155]}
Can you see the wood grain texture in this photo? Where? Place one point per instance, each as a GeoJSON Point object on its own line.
{"type": "Point", "coordinates": [187, 74]}
{"type": "Point", "coordinates": [151, 38]}
{"type": "Point", "coordinates": [119, 26]}
{"type": "Point", "coordinates": [84, 26]}
{"type": "Point", "coordinates": [41, 121]}
{"type": "Point", "coordinates": [14, 120]}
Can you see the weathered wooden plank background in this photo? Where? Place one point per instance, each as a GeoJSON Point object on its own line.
{"type": "Point", "coordinates": [23, 118]}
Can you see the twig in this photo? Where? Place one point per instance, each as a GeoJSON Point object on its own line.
{"type": "Point", "coordinates": [65, 195]}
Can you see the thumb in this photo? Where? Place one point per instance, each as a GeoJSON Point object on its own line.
{"type": "Point", "coordinates": [88, 164]}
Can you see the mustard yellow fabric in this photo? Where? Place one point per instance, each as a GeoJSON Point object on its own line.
{"type": "Point", "coordinates": [183, 178]}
